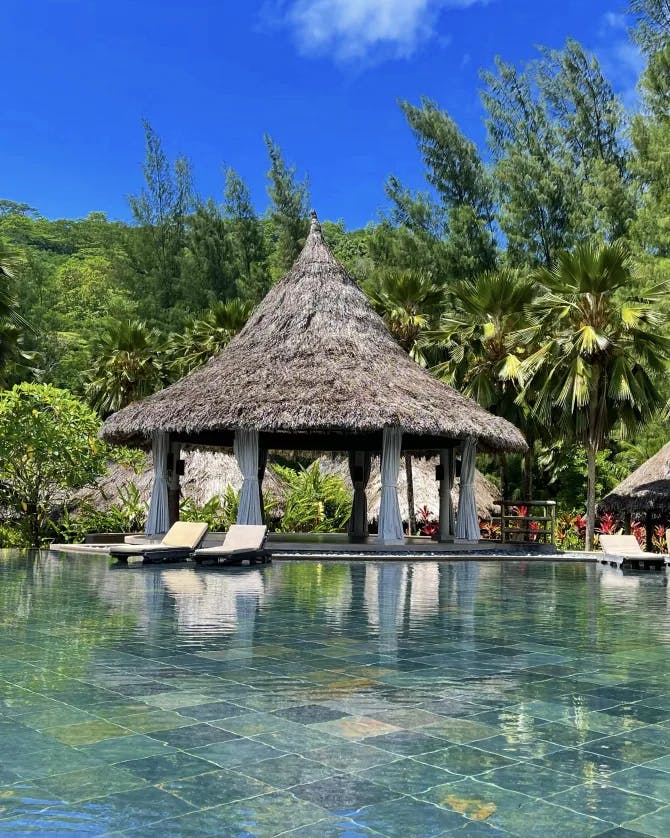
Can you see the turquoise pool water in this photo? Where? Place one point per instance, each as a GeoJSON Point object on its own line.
{"type": "Point", "coordinates": [341, 699]}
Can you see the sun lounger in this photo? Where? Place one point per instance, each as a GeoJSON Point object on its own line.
{"type": "Point", "coordinates": [178, 543]}
{"type": "Point", "coordinates": [243, 543]}
{"type": "Point", "coordinates": [624, 551]}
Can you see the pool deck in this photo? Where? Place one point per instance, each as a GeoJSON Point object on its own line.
{"type": "Point", "coordinates": [335, 546]}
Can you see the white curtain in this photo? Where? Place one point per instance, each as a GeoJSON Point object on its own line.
{"type": "Point", "coordinates": [158, 519]}
{"type": "Point", "coordinates": [246, 453]}
{"type": "Point", "coordinates": [467, 522]}
{"type": "Point", "coordinates": [390, 522]}
{"type": "Point", "coordinates": [359, 470]}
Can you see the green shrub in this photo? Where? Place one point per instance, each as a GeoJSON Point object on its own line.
{"type": "Point", "coordinates": [315, 502]}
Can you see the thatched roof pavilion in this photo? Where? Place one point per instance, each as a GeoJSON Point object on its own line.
{"type": "Point", "coordinates": [645, 491]}
{"type": "Point", "coordinates": [316, 369]}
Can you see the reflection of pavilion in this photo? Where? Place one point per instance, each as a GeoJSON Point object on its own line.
{"type": "Point", "coordinates": [215, 603]}
{"type": "Point", "coordinates": [401, 596]}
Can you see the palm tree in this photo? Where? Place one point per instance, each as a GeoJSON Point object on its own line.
{"type": "Point", "coordinates": [13, 354]}
{"type": "Point", "coordinates": [600, 352]}
{"type": "Point", "coordinates": [409, 302]}
{"type": "Point", "coordinates": [206, 336]}
{"type": "Point", "coordinates": [482, 339]}
{"type": "Point", "coordinates": [127, 365]}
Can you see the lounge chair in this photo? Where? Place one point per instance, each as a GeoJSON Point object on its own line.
{"type": "Point", "coordinates": [178, 543]}
{"type": "Point", "coordinates": [243, 542]}
{"type": "Point", "coordinates": [624, 551]}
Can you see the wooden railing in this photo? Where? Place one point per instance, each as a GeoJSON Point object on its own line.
{"type": "Point", "coordinates": [528, 520]}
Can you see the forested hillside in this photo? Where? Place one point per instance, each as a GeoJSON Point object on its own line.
{"type": "Point", "coordinates": [531, 274]}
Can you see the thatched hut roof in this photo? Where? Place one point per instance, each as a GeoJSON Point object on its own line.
{"type": "Point", "coordinates": [315, 368]}
{"type": "Point", "coordinates": [209, 473]}
{"type": "Point", "coordinates": [647, 489]}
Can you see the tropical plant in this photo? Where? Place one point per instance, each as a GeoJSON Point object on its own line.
{"type": "Point", "coordinates": [206, 336]}
{"type": "Point", "coordinates": [219, 512]}
{"type": "Point", "coordinates": [48, 447]}
{"type": "Point", "coordinates": [315, 502]}
{"type": "Point", "coordinates": [127, 365]}
{"type": "Point", "coordinates": [600, 351]}
{"type": "Point", "coordinates": [480, 337]}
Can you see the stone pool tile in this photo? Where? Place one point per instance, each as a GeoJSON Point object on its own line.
{"type": "Point", "coordinates": [514, 812]}
{"type": "Point", "coordinates": [211, 711]}
{"type": "Point", "coordinates": [86, 783]}
{"type": "Point", "coordinates": [25, 798]}
{"type": "Point", "coordinates": [567, 735]}
{"type": "Point", "coordinates": [647, 715]}
{"type": "Point", "coordinates": [56, 717]}
{"type": "Point", "coordinates": [524, 746]}
{"type": "Point", "coordinates": [461, 730]}
{"type": "Point", "coordinates": [86, 733]}
{"type": "Point", "coordinates": [298, 739]}
{"type": "Point", "coordinates": [605, 800]}
{"type": "Point", "coordinates": [165, 767]}
{"type": "Point", "coordinates": [121, 749]}
{"type": "Point", "coordinates": [343, 794]}
{"type": "Point", "coordinates": [154, 720]}
{"type": "Point", "coordinates": [600, 721]}
{"type": "Point", "coordinates": [618, 693]}
{"type": "Point", "coordinates": [464, 760]}
{"type": "Point", "coordinates": [52, 760]}
{"type": "Point", "coordinates": [355, 727]}
{"type": "Point", "coordinates": [193, 735]}
{"type": "Point", "coordinates": [310, 714]}
{"type": "Point", "coordinates": [408, 818]}
{"type": "Point", "coordinates": [581, 764]}
{"type": "Point", "coordinates": [129, 809]}
{"type": "Point", "coordinates": [175, 699]}
{"type": "Point", "coordinates": [250, 723]}
{"type": "Point", "coordinates": [235, 752]}
{"type": "Point", "coordinates": [643, 780]}
{"type": "Point", "coordinates": [267, 702]}
{"type": "Point", "coordinates": [285, 771]}
{"type": "Point", "coordinates": [626, 748]}
{"type": "Point", "coordinates": [215, 788]}
{"type": "Point", "coordinates": [350, 756]}
{"type": "Point", "coordinates": [406, 742]}
{"type": "Point", "coordinates": [406, 776]}
{"type": "Point", "coordinates": [332, 828]}
{"type": "Point", "coordinates": [529, 779]}
{"type": "Point", "coordinates": [655, 823]}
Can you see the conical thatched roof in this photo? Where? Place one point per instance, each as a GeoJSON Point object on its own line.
{"type": "Point", "coordinates": [314, 360]}
{"type": "Point", "coordinates": [647, 489]}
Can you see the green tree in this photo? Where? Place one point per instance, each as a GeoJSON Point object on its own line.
{"type": "Point", "coordinates": [248, 241]}
{"type": "Point", "coordinates": [203, 337]}
{"type": "Point", "coordinates": [482, 339]}
{"type": "Point", "coordinates": [160, 212]}
{"type": "Point", "coordinates": [127, 365]}
{"type": "Point", "coordinates": [289, 209]}
{"type": "Point", "coordinates": [601, 354]}
{"type": "Point", "coordinates": [208, 271]}
{"type": "Point", "coordinates": [462, 218]}
{"type": "Point", "coordinates": [653, 23]}
{"type": "Point", "coordinates": [48, 447]}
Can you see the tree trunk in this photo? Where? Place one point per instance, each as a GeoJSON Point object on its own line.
{"type": "Point", "coordinates": [590, 494]}
{"type": "Point", "coordinates": [528, 473]}
{"type": "Point", "coordinates": [504, 478]}
{"type": "Point", "coordinates": [411, 512]}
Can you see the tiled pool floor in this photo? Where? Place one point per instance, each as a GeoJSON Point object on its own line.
{"type": "Point", "coordinates": [342, 699]}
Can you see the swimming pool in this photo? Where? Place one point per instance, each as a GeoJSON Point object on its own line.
{"type": "Point", "coordinates": [319, 699]}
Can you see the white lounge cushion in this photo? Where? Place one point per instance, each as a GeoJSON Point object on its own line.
{"type": "Point", "coordinates": [239, 538]}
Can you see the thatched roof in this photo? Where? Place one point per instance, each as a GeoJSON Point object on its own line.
{"type": "Point", "coordinates": [313, 367]}
{"type": "Point", "coordinates": [647, 489]}
{"type": "Point", "coordinates": [209, 473]}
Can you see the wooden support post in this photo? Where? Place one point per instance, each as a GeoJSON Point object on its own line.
{"type": "Point", "coordinates": [649, 527]}
{"type": "Point", "coordinates": [445, 475]}
{"type": "Point", "coordinates": [174, 473]}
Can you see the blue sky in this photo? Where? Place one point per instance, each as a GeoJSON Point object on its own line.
{"type": "Point", "coordinates": [321, 76]}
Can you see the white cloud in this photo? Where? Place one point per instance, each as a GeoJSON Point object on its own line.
{"type": "Point", "coordinates": [358, 29]}
{"type": "Point", "coordinates": [621, 58]}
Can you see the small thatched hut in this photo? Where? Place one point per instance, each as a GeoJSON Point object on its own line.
{"type": "Point", "coordinates": [315, 369]}
{"type": "Point", "coordinates": [645, 493]}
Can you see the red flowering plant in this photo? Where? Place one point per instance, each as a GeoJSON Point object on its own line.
{"type": "Point", "coordinates": [659, 541]}
{"type": "Point", "coordinates": [426, 522]}
{"type": "Point", "coordinates": [640, 532]}
{"type": "Point", "coordinates": [489, 530]}
{"type": "Point", "coordinates": [571, 531]}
